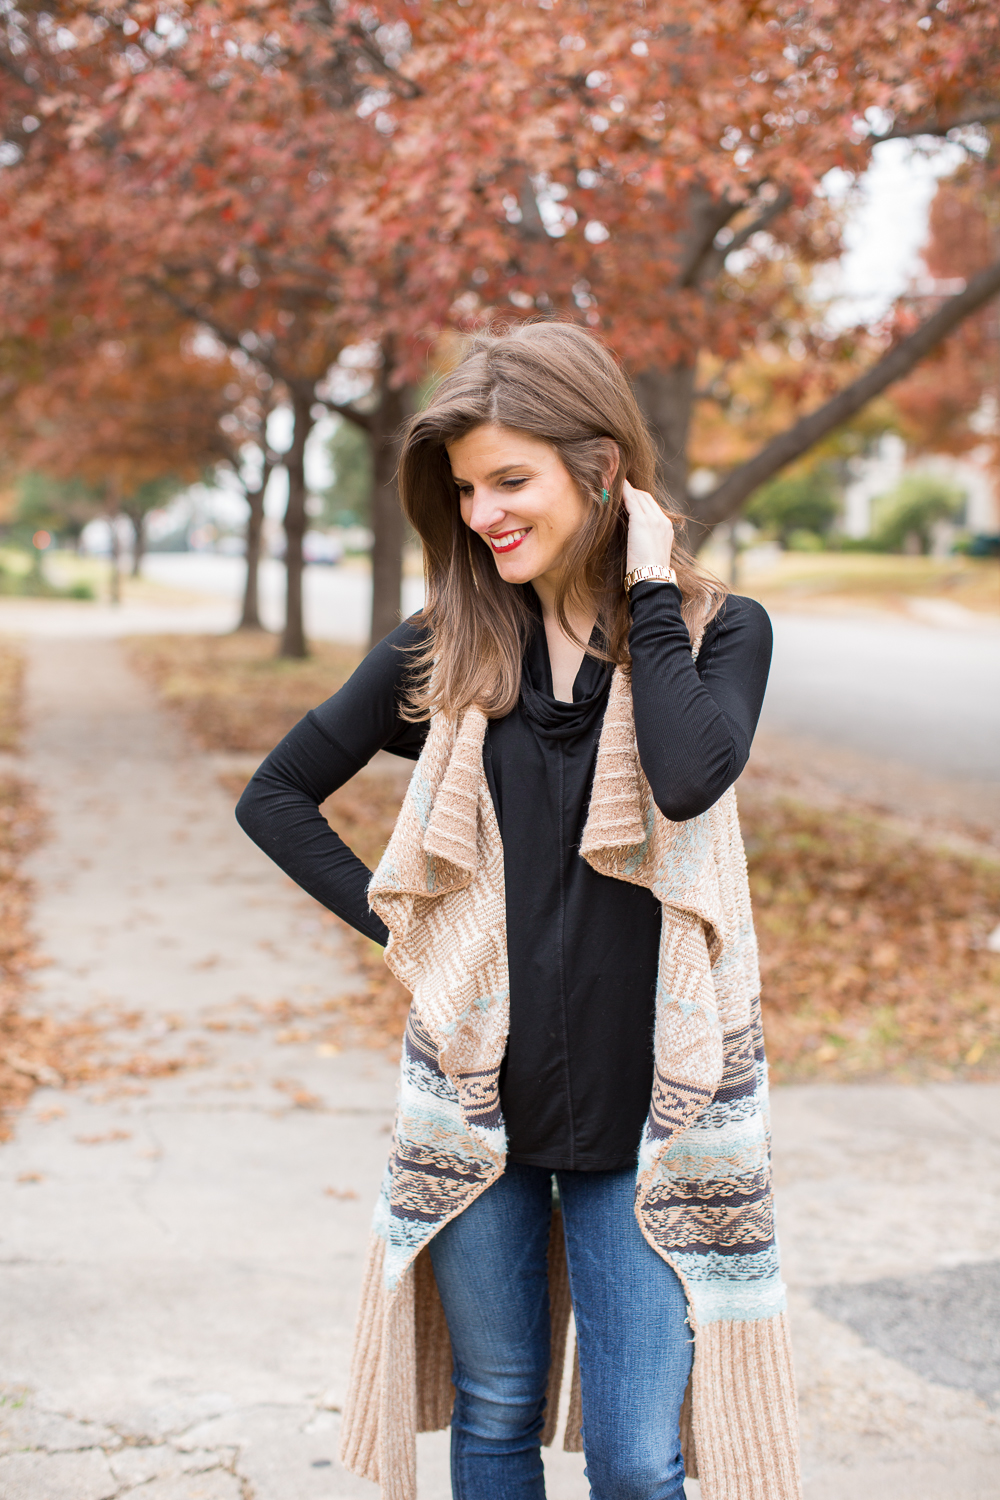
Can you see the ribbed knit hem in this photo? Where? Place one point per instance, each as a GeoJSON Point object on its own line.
{"type": "Point", "coordinates": [397, 1416]}
{"type": "Point", "coordinates": [359, 1428]}
{"type": "Point", "coordinates": [378, 1434]}
{"type": "Point", "coordinates": [744, 1411]}
{"type": "Point", "coordinates": [573, 1441]}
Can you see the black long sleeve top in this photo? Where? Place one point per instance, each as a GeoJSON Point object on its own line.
{"type": "Point", "coordinates": [582, 947]}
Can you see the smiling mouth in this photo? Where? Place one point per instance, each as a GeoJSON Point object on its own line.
{"type": "Point", "coordinates": [508, 540]}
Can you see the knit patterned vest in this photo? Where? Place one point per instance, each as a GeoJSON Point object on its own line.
{"type": "Point", "coordinates": [703, 1188]}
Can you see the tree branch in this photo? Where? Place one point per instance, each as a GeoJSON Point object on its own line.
{"type": "Point", "coordinates": [12, 68]}
{"type": "Point", "coordinates": [360, 419]}
{"type": "Point", "coordinates": [765, 217]}
{"type": "Point", "coordinates": [407, 88]}
{"type": "Point", "coordinates": [727, 498]}
{"type": "Point", "coordinates": [714, 257]}
{"type": "Point", "coordinates": [708, 216]}
{"type": "Point", "coordinates": [986, 114]}
{"type": "Point", "coordinates": [532, 225]}
{"type": "Point", "coordinates": [231, 340]}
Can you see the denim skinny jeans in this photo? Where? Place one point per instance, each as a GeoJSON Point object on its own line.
{"type": "Point", "coordinates": [490, 1264]}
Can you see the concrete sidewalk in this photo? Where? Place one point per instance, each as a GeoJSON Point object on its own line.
{"type": "Point", "coordinates": [179, 1258]}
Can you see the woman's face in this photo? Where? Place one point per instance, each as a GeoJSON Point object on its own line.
{"type": "Point", "coordinates": [515, 492]}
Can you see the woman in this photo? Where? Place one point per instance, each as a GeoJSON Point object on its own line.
{"type": "Point", "coordinates": [583, 1084]}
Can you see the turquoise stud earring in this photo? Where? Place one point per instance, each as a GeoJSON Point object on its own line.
{"type": "Point", "coordinates": [604, 497]}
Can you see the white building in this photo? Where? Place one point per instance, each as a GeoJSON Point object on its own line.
{"type": "Point", "coordinates": [886, 467]}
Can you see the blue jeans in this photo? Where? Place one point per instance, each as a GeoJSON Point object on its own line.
{"type": "Point", "coordinates": [635, 1346]}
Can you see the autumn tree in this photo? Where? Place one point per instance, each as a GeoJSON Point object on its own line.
{"type": "Point", "coordinates": [951, 402]}
{"type": "Point", "coordinates": [231, 151]}
{"type": "Point", "coordinates": [658, 171]}
{"type": "Point", "coordinates": [317, 182]}
{"type": "Point", "coordinates": [61, 506]}
{"type": "Point", "coordinates": [133, 422]}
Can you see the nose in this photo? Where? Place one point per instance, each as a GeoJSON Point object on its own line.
{"type": "Point", "coordinates": [484, 511]}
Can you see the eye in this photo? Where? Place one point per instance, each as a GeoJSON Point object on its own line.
{"type": "Point", "coordinates": [514, 484]}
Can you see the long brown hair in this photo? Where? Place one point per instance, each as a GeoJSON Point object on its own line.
{"type": "Point", "coordinates": [553, 381]}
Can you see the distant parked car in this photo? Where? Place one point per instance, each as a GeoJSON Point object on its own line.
{"type": "Point", "coordinates": [322, 547]}
{"type": "Point", "coordinates": [984, 545]}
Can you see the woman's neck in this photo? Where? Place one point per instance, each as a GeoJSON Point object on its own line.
{"type": "Point", "coordinates": [565, 656]}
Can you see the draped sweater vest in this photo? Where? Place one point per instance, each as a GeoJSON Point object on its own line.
{"type": "Point", "coordinates": [703, 1195]}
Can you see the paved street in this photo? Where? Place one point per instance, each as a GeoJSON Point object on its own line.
{"type": "Point", "coordinates": [922, 694]}
{"type": "Point", "coordinates": [337, 600]}
{"type": "Point", "coordinates": [179, 1256]}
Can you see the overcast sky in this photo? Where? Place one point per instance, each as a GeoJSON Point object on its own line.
{"type": "Point", "coordinates": [887, 225]}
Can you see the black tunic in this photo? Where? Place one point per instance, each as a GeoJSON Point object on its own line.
{"type": "Point", "coordinates": [582, 947]}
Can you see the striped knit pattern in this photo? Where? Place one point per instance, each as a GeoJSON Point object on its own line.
{"type": "Point", "coordinates": [703, 1189]}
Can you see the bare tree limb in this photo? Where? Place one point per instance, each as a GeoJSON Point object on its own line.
{"type": "Point", "coordinates": [766, 216]}
{"type": "Point", "coordinates": [231, 339]}
{"type": "Point", "coordinates": [715, 256]}
{"type": "Point", "coordinates": [406, 87]}
{"type": "Point", "coordinates": [196, 312]}
{"type": "Point", "coordinates": [360, 419]}
{"type": "Point", "coordinates": [708, 216]}
{"type": "Point", "coordinates": [13, 69]}
{"type": "Point", "coordinates": [984, 114]}
{"type": "Point", "coordinates": [726, 499]}
{"type": "Point", "coordinates": [532, 226]}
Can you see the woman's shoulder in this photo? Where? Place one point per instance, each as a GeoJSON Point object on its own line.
{"type": "Point", "coordinates": [383, 675]}
{"type": "Point", "coordinates": [739, 612]}
{"type": "Point", "coordinates": [740, 625]}
{"type": "Point", "coordinates": [364, 715]}
{"type": "Point", "coordinates": [394, 656]}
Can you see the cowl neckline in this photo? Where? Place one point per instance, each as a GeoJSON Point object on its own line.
{"type": "Point", "coordinates": [551, 717]}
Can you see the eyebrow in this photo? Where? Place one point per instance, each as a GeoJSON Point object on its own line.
{"type": "Point", "coordinates": [494, 473]}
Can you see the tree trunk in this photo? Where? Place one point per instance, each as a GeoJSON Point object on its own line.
{"type": "Point", "coordinates": [293, 639]}
{"type": "Point", "coordinates": [388, 525]}
{"type": "Point", "coordinates": [250, 618]}
{"type": "Point", "coordinates": [667, 399]}
{"type": "Point", "coordinates": [113, 513]}
{"type": "Point", "coordinates": [138, 520]}
{"type": "Point", "coordinates": [727, 498]}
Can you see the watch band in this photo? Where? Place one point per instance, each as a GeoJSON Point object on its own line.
{"type": "Point", "coordinates": [650, 571]}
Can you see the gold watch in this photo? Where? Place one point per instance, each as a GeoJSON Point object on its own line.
{"type": "Point", "coordinates": [652, 570]}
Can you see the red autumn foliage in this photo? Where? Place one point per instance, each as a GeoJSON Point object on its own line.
{"type": "Point", "coordinates": [945, 404]}
{"type": "Point", "coordinates": [312, 181]}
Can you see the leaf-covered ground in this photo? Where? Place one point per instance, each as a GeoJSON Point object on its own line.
{"type": "Point", "coordinates": [21, 1062]}
{"type": "Point", "coordinates": [233, 691]}
{"type": "Point", "coordinates": [36, 1048]}
{"type": "Point", "coordinates": [11, 679]}
{"type": "Point", "coordinates": [873, 944]}
{"type": "Point", "coordinates": [873, 947]}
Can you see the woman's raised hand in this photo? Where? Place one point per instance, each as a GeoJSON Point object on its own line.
{"type": "Point", "coordinates": [650, 533]}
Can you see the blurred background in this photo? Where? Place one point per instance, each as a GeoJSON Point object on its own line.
{"type": "Point", "coordinates": [239, 243]}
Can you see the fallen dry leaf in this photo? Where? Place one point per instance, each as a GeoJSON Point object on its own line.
{"type": "Point", "coordinates": [34, 1068]}
{"type": "Point", "coordinates": [298, 1093]}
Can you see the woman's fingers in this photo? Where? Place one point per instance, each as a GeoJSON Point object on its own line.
{"type": "Point", "coordinates": [636, 498]}
{"type": "Point", "coordinates": [650, 533]}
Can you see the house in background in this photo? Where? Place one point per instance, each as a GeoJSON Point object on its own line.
{"type": "Point", "coordinates": [882, 471]}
